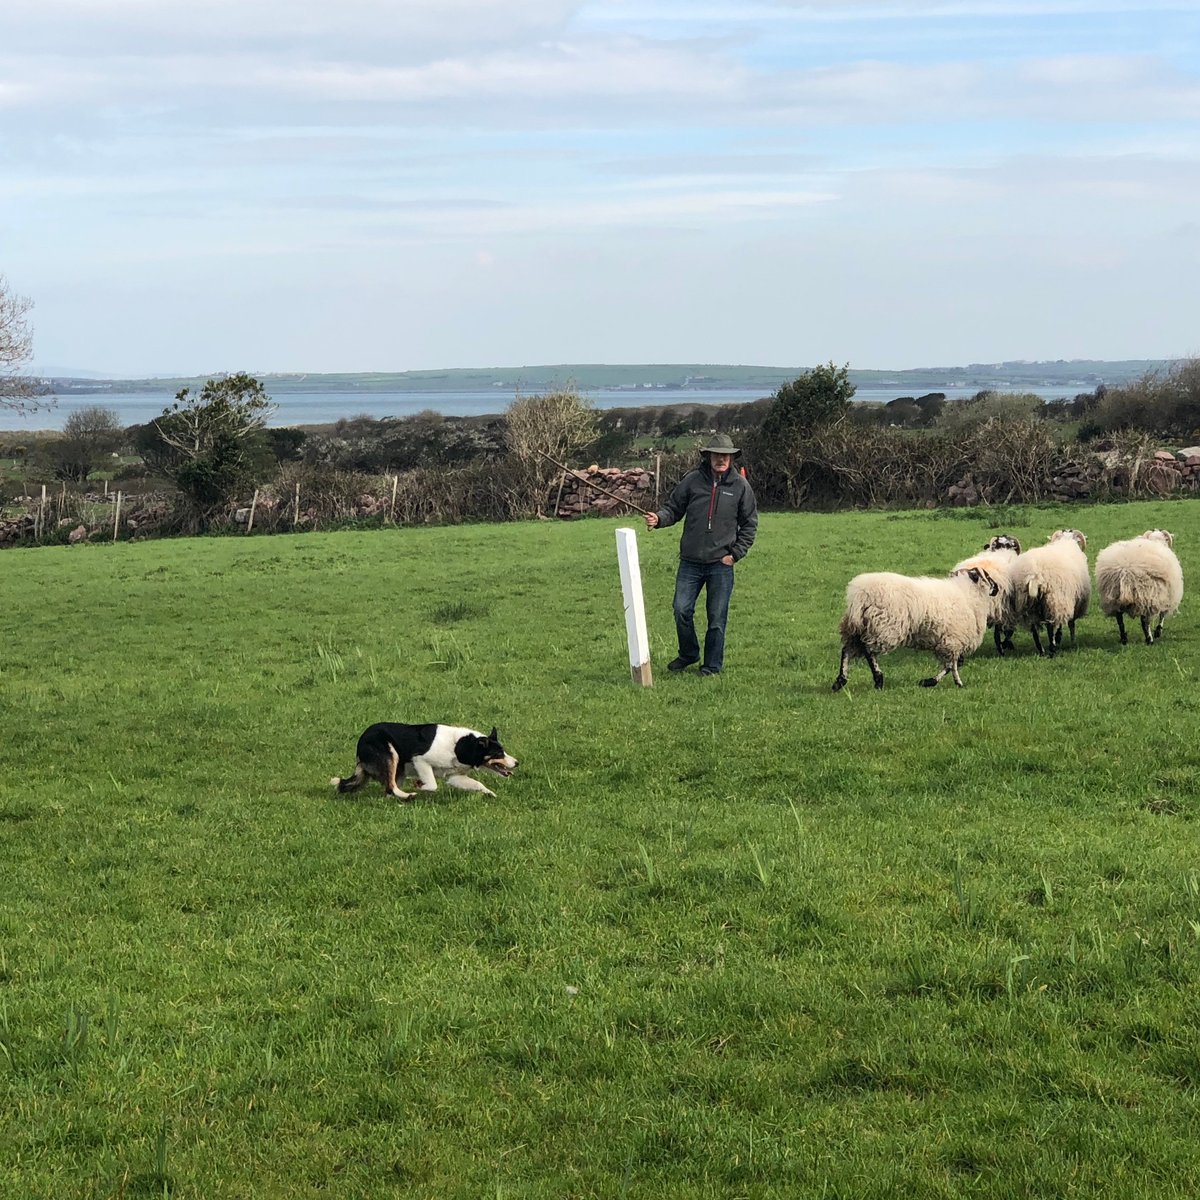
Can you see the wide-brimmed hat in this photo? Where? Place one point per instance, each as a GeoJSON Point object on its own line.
{"type": "Point", "coordinates": [720, 443]}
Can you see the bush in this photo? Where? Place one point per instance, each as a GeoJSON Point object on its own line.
{"type": "Point", "coordinates": [390, 444]}
{"type": "Point", "coordinates": [1166, 405]}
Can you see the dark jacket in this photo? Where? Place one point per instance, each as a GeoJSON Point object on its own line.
{"type": "Point", "coordinates": [720, 516]}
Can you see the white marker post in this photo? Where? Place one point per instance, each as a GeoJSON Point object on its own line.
{"type": "Point", "coordinates": [635, 610]}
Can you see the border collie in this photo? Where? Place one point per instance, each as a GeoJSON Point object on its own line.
{"type": "Point", "coordinates": [388, 751]}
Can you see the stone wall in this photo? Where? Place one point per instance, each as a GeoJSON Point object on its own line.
{"type": "Point", "coordinates": [578, 498]}
{"type": "Point", "coordinates": [1100, 474]}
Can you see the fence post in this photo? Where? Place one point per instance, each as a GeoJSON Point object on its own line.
{"type": "Point", "coordinates": [253, 506]}
{"type": "Point", "coordinates": [296, 510]}
{"type": "Point", "coordinates": [657, 472]}
{"type": "Point", "coordinates": [561, 484]}
{"type": "Point", "coordinates": [116, 516]}
{"type": "Point", "coordinates": [635, 609]}
{"type": "Point", "coordinates": [40, 524]}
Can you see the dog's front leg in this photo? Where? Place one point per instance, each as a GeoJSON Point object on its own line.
{"type": "Point", "coordinates": [426, 780]}
{"type": "Point", "coordinates": [468, 784]}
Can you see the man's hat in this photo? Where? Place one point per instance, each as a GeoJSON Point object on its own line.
{"type": "Point", "coordinates": [720, 443]}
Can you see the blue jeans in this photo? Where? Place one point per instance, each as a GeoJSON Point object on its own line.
{"type": "Point", "coordinates": [718, 579]}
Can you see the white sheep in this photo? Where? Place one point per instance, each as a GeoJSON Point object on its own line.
{"type": "Point", "coordinates": [997, 559]}
{"type": "Point", "coordinates": [1140, 577]}
{"type": "Point", "coordinates": [1052, 586]}
{"type": "Point", "coordinates": [885, 611]}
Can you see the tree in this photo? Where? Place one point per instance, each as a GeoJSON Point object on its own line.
{"type": "Point", "coordinates": [213, 441]}
{"type": "Point", "coordinates": [816, 398]}
{"type": "Point", "coordinates": [89, 435]}
{"type": "Point", "coordinates": [16, 350]}
{"type": "Point", "coordinates": [558, 424]}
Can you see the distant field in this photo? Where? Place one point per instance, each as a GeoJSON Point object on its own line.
{"type": "Point", "coordinates": [728, 937]}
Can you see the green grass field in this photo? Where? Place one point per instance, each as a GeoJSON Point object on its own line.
{"type": "Point", "coordinates": [736, 937]}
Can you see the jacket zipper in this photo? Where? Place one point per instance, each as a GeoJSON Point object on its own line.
{"type": "Point", "coordinates": [712, 504]}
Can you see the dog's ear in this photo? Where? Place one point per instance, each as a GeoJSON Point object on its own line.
{"type": "Point", "coordinates": [495, 734]}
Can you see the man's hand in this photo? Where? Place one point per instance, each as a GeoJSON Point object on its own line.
{"type": "Point", "coordinates": [728, 560]}
{"type": "Point", "coordinates": [652, 520]}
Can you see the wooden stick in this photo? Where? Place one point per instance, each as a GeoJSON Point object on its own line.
{"type": "Point", "coordinates": [657, 472]}
{"type": "Point", "coordinates": [392, 510]}
{"type": "Point", "coordinates": [296, 510]}
{"type": "Point", "coordinates": [585, 479]}
{"type": "Point", "coordinates": [116, 516]}
{"type": "Point", "coordinates": [253, 506]}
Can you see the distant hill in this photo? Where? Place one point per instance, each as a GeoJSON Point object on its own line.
{"type": "Point", "coordinates": [682, 377]}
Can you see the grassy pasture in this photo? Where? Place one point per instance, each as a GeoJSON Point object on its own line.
{"type": "Point", "coordinates": [726, 937]}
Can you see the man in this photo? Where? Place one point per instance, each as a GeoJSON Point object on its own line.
{"type": "Point", "coordinates": [720, 519]}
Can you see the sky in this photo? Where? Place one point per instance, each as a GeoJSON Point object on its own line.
{"type": "Point", "coordinates": [198, 186]}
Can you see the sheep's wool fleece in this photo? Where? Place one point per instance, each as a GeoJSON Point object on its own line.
{"type": "Point", "coordinates": [1141, 577]}
{"type": "Point", "coordinates": [1052, 583]}
{"type": "Point", "coordinates": [999, 565]}
{"type": "Point", "coordinates": [885, 611]}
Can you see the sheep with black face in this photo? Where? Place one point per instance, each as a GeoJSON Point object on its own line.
{"type": "Point", "coordinates": [997, 558]}
{"type": "Point", "coordinates": [885, 611]}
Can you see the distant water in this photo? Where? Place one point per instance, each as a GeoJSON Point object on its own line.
{"type": "Point", "coordinates": [323, 408]}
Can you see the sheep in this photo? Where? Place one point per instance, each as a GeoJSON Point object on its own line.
{"type": "Point", "coordinates": [1141, 577]}
{"type": "Point", "coordinates": [1052, 585]}
{"type": "Point", "coordinates": [997, 559]}
{"type": "Point", "coordinates": [885, 611]}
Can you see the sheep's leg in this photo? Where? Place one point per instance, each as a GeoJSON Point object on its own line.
{"type": "Point", "coordinates": [843, 667]}
{"type": "Point", "coordinates": [999, 636]}
{"type": "Point", "coordinates": [1158, 629]}
{"type": "Point", "coordinates": [1146, 631]}
{"type": "Point", "coordinates": [1071, 627]}
{"type": "Point", "coordinates": [1121, 628]}
{"type": "Point", "coordinates": [1008, 640]}
{"type": "Point", "coordinates": [1037, 641]}
{"type": "Point", "coordinates": [876, 673]}
{"type": "Point", "coordinates": [951, 665]}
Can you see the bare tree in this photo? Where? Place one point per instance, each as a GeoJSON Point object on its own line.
{"type": "Point", "coordinates": [16, 350]}
{"type": "Point", "coordinates": [89, 435]}
{"type": "Point", "coordinates": [557, 424]}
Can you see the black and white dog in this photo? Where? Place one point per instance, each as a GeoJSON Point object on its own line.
{"type": "Point", "coordinates": [388, 751]}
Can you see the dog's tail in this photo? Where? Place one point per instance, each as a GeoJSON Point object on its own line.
{"type": "Point", "coordinates": [349, 785]}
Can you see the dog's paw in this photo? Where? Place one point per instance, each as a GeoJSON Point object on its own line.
{"type": "Point", "coordinates": [399, 795]}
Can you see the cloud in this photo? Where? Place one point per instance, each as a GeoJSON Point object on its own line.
{"type": "Point", "coordinates": [364, 27]}
{"type": "Point", "coordinates": [420, 138]}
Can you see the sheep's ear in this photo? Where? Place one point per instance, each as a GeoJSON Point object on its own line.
{"type": "Point", "coordinates": [1016, 545]}
{"type": "Point", "coordinates": [1079, 537]}
{"type": "Point", "coordinates": [1170, 537]}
